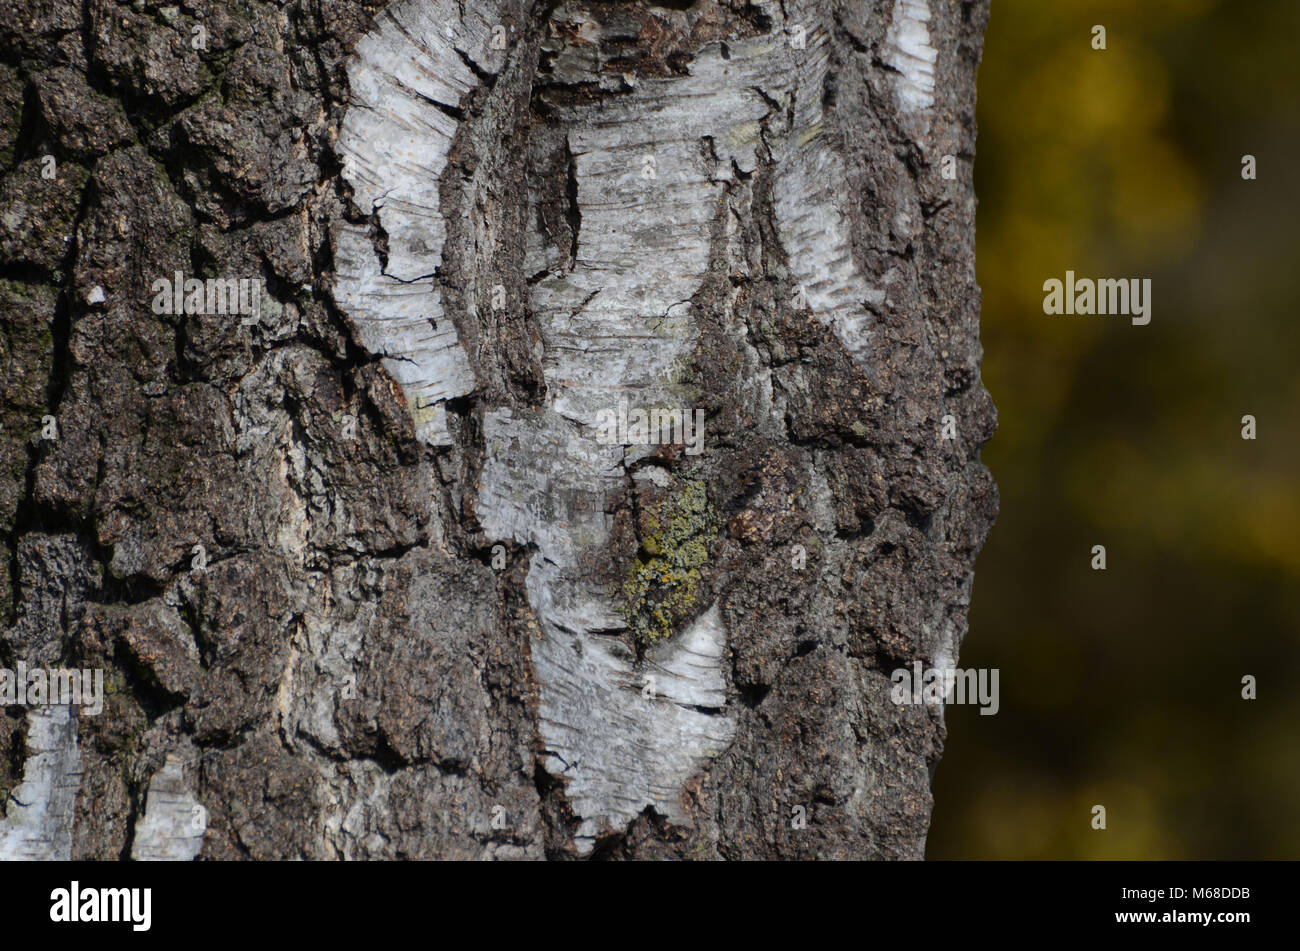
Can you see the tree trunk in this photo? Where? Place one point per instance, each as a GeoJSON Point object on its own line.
{"type": "Point", "coordinates": [388, 566]}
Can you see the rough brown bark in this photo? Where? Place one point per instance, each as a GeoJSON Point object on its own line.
{"type": "Point", "coordinates": [353, 673]}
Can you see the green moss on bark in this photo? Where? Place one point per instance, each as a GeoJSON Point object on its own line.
{"type": "Point", "coordinates": [663, 586]}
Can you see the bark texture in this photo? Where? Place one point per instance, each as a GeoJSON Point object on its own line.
{"type": "Point", "coordinates": [365, 578]}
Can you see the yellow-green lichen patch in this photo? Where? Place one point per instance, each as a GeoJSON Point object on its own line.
{"type": "Point", "coordinates": [662, 588]}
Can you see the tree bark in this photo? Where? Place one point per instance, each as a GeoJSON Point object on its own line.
{"type": "Point", "coordinates": [367, 575]}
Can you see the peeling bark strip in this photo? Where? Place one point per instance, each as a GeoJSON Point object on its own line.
{"type": "Point", "coordinates": [363, 575]}
{"type": "Point", "coordinates": [407, 80]}
{"type": "Point", "coordinates": [908, 50]}
{"type": "Point", "coordinates": [40, 812]}
{"type": "Point", "coordinates": [174, 821]}
{"type": "Point", "coordinates": [616, 322]}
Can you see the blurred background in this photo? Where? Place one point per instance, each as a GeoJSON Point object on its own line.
{"type": "Point", "coordinates": [1123, 687]}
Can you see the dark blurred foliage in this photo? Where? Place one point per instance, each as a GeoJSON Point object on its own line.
{"type": "Point", "coordinates": [1123, 687]}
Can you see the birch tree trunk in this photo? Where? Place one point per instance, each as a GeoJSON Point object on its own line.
{"type": "Point", "coordinates": [384, 569]}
